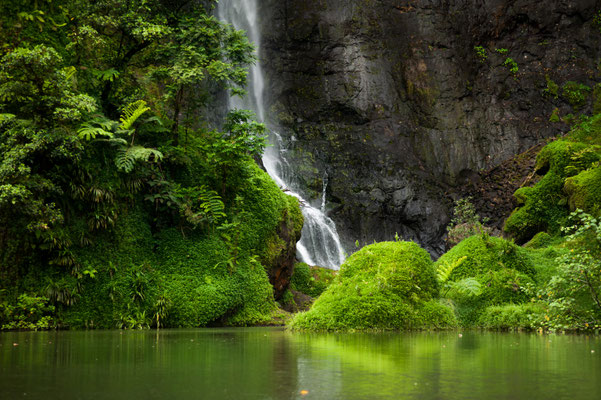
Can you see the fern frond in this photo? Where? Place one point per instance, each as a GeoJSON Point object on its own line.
{"type": "Point", "coordinates": [445, 270]}
{"type": "Point", "coordinates": [124, 161]}
{"type": "Point", "coordinates": [131, 113]}
{"type": "Point", "coordinates": [127, 157]}
{"type": "Point", "coordinates": [468, 287]}
{"type": "Point", "coordinates": [211, 204]}
{"type": "Point", "coordinates": [96, 127]}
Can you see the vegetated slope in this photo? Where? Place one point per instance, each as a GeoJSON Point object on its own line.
{"type": "Point", "coordinates": [119, 205]}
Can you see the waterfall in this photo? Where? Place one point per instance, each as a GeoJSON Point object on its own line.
{"type": "Point", "coordinates": [319, 243]}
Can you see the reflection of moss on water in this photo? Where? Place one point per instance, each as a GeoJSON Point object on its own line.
{"type": "Point", "coordinates": [389, 285]}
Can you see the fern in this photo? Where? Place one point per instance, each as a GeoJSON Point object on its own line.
{"type": "Point", "coordinates": [127, 157]}
{"type": "Point", "coordinates": [444, 271]}
{"type": "Point", "coordinates": [211, 205]}
{"type": "Point", "coordinates": [201, 206]}
{"type": "Point", "coordinates": [97, 127]}
{"type": "Point", "coordinates": [468, 287]}
{"type": "Point", "coordinates": [131, 113]}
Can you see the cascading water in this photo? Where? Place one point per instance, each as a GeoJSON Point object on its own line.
{"type": "Point", "coordinates": [319, 244]}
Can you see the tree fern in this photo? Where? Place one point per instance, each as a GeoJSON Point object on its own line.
{"type": "Point", "coordinates": [131, 113]}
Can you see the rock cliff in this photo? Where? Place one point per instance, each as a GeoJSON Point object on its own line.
{"type": "Point", "coordinates": [401, 102]}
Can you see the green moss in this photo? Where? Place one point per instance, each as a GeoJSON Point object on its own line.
{"type": "Point", "coordinates": [544, 207]}
{"type": "Point", "coordinates": [575, 93]}
{"type": "Point", "coordinates": [552, 88]}
{"type": "Point", "coordinates": [311, 281]}
{"type": "Point", "coordinates": [541, 239]}
{"type": "Point", "coordinates": [502, 269]}
{"type": "Point", "coordinates": [584, 191]}
{"type": "Point", "coordinates": [389, 285]}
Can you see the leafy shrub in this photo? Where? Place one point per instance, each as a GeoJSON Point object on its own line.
{"type": "Point", "coordinates": [389, 285]}
{"type": "Point", "coordinates": [511, 65]}
{"type": "Point", "coordinates": [481, 53]}
{"type": "Point", "coordinates": [465, 222]}
{"type": "Point", "coordinates": [30, 312]}
{"type": "Point", "coordinates": [513, 316]}
{"type": "Point", "coordinates": [574, 292]}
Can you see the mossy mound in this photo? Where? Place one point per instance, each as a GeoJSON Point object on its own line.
{"type": "Point", "coordinates": [540, 240]}
{"type": "Point", "coordinates": [311, 281]}
{"type": "Point", "coordinates": [389, 285]}
{"type": "Point", "coordinates": [501, 268]}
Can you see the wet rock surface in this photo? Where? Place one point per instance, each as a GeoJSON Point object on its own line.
{"type": "Point", "coordinates": [397, 104]}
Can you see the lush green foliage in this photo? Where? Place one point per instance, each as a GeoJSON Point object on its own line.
{"type": "Point", "coordinates": [573, 294]}
{"type": "Point", "coordinates": [389, 285]}
{"type": "Point", "coordinates": [30, 312]}
{"type": "Point", "coordinates": [119, 207]}
{"type": "Point", "coordinates": [482, 271]}
{"type": "Point", "coordinates": [571, 180]}
{"type": "Point", "coordinates": [529, 316]}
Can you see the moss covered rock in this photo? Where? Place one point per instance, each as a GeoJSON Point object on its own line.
{"type": "Point", "coordinates": [584, 191]}
{"type": "Point", "coordinates": [388, 285]}
{"type": "Point", "coordinates": [311, 281]}
{"type": "Point", "coordinates": [572, 180]}
{"type": "Point", "coordinates": [544, 207]}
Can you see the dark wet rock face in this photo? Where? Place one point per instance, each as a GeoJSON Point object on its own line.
{"type": "Point", "coordinates": [392, 100]}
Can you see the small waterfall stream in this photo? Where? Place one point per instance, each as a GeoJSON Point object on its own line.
{"type": "Point", "coordinates": [319, 244]}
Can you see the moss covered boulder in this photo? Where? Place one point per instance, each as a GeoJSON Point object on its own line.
{"type": "Point", "coordinates": [501, 269]}
{"type": "Point", "coordinates": [311, 281]}
{"type": "Point", "coordinates": [544, 207]}
{"type": "Point", "coordinates": [388, 285]}
{"type": "Point", "coordinates": [572, 180]}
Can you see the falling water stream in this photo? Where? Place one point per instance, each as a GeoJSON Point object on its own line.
{"type": "Point", "coordinates": [319, 244]}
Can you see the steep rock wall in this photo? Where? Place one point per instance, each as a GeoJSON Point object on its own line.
{"type": "Point", "coordinates": [391, 100]}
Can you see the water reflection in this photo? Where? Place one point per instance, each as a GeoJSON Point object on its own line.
{"type": "Point", "coordinates": [275, 364]}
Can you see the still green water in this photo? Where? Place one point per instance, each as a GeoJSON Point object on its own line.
{"type": "Point", "coordinates": [268, 363]}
